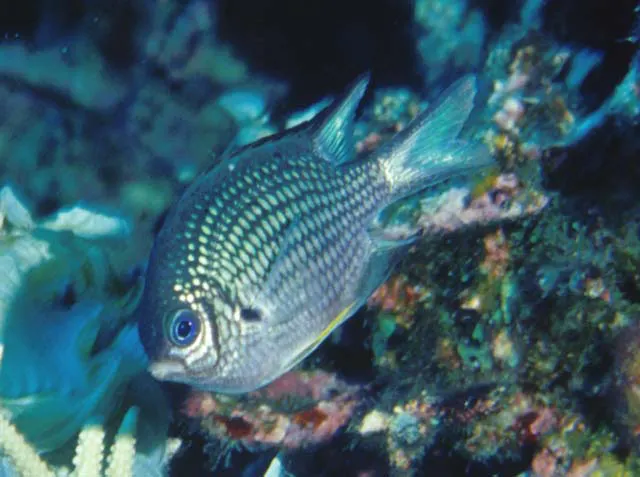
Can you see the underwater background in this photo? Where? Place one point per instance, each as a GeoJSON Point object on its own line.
{"type": "Point", "coordinates": [506, 343]}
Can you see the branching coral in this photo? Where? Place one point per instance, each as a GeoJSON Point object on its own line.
{"type": "Point", "coordinates": [183, 43]}
{"type": "Point", "coordinates": [90, 87]}
{"type": "Point", "coordinates": [70, 354]}
{"type": "Point", "coordinates": [90, 460]}
{"type": "Point", "coordinates": [90, 450]}
{"type": "Point", "coordinates": [56, 312]}
{"type": "Point", "coordinates": [450, 37]}
{"type": "Point", "coordinates": [26, 460]}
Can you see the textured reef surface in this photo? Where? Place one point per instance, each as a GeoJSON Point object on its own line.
{"type": "Point", "coordinates": [508, 341]}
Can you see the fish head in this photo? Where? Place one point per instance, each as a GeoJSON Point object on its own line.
{"type": "Point", "coordinates": [207, 341]}
{"type": "Point", "coordinates": [176, 317]}
{"type": "Point", "coordinates": [172, 341]}
{"type": "Point", "coordinates": [196, 329]}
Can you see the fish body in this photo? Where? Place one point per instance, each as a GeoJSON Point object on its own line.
{"type": "Point", "coordinates": [265, 254]}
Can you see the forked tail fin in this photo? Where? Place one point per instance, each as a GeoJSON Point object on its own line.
{"type": "Point", "coordinates": [428, 151]}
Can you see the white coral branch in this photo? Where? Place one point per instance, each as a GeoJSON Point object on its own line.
{"type": "Point", "coordinates": [25, 459]}
{"type": "Point", "coordinates": [89, 456]}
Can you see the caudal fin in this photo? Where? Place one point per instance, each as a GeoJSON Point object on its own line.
{"type": "Point", "coordinates": [428, 151]}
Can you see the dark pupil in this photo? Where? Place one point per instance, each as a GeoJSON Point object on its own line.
{"type": "Point", "coordinates": [185, 327]}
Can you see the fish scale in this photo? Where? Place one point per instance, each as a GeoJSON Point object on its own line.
{"type": "Point", "coordinates": [265, 254]}
{"type": "Point", "coordinates": [305, 245]}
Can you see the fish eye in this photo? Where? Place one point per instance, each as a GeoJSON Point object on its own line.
{"type": "Point", "coordinates": [184, 327]}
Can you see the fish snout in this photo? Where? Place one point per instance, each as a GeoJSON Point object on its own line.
{"type": "Point", "coordinates": [167, 370]}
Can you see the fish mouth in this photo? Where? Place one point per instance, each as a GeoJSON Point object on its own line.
{"type": "Point", "coordinates": [167, 370]}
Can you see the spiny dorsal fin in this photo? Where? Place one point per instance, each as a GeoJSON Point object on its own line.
{"type": "Point", "coordinates": [333, 134]}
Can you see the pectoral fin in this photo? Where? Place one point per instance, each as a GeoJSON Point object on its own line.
{"type": "Point", "coordinates": [308, 349]}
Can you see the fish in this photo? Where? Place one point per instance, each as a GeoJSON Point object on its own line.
{"type": "Point", "coordinates": [269, 251]}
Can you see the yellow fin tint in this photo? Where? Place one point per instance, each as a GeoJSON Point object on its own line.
{"type": "Point", "coordinates": [343, 315]}
{"type": "Point", "coordinates": [339, 319]}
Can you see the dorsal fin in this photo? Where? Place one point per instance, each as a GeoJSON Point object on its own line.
{"type": "Point", "coordinates": [333, 133]}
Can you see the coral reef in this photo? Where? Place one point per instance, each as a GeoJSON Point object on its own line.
{"type": "Point", "coordinates": [64, 98]}
{"type": "Point", "coordinates": [298, 410]}
{"type": "Point", "coordinates": [450, 38]}
{"type": "Point", "coordinates": [506, 343]}
{"type": "Point", "coordinates": [68, 352]}
{"type": "Point", "coordinates": [89, 459]}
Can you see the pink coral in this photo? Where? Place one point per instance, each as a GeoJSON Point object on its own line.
{"type": "Point", "coordinates": [544, 464]}
{"type": "Point", "coordinates": [299, 409]}
{"type": "Point", "coordinates": [457, 208]}
{"type": "Point", "coordinates": [316, 385]}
